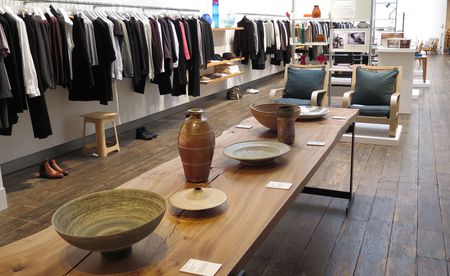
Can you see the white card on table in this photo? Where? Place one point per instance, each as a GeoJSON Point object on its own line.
{"type": "Point", "coordinates": [244, 126]}
{"type": "Point", "coordinates": [316, 143]}
{"type": "Point", "coordinates": [339, 117]}
{"type": "Point", "coordinates": [279, 185]}
{"type": "Point", "coordinates": [198, 267]}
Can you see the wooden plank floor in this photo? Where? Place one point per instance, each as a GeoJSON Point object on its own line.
{"type": "Point", "coordinates": [399, 223]}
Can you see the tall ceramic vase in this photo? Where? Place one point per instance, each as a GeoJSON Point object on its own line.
{"type": "Point", "coordinates": [196, 143]}
{"type": "Point", "coordinates": [316, 12]}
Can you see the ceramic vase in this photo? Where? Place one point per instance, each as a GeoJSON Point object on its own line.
{"type": "Point", "coordinates": [286, 124]}
{"type": "Point", "coordinates": [196, 143]}
{"type": "Point", "coordinates": [316, 12]}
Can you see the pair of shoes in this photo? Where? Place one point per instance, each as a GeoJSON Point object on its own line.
{"type": "Point", "coordinates": [50, 169]}
{"type": "Point", "coordinates": [145, 134]}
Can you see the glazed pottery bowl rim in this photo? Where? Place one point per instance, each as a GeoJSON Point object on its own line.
{"type": "Point", "coordinates": [106, 236]}
{"type": "Point", "coordinates": [255, 106]}
{"type": "Point", "coordinates": [287, 147]}
{"type": "Point", "coordinates": [196, 110]}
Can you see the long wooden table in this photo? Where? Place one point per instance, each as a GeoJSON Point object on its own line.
{"type": "Point", "coordinates": [228, 234]}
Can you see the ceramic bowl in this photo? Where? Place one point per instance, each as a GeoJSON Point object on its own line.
{"type": "Point", "coordinates": [109, 221]}
{"type": "Point", "coordinates": [266, 114]}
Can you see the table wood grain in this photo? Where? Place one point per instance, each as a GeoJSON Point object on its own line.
{"type": "Point", "coordinates": [228, 234]}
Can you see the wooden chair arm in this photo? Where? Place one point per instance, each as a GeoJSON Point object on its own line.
{"type": "Point", "coordinates": [395, 104]}
{"type": "Point", "coordinates": [274, 91]}
{"type": "Point", "coordinates": [347, 99]}
{"type": "Point", "coordinates": [315, 97]}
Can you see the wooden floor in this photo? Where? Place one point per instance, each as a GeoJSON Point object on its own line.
{"type": "Point", "coordinates": [399, 223]}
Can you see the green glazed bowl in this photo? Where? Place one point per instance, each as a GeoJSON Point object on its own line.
{"type": "Point", "coordinates": [109, 221]}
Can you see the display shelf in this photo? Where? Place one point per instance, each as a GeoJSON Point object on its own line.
{"type": "Point", "coordinates": [227, 29]}
{"type": "Point", "coordinates": [310, 44]}
{"type": "Point", "coordinates": [221, 79]}
{"type": "Point", "coordinates": [212, 64]}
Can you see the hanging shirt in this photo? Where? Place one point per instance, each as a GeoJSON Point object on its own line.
{"type": "Point", "coordinates": [5, 87]}
{"type": "Point", "coordinates": [126, 52]}
{"type": "Point", "coordinates": [117, 67]}
{"type": "Point", "coordinates": [176, 44]}
{"type": "Point", "coordinates": [68, 26]}
{"type": "Point", "coordinates": [148, 37]}
{"type": "Point", "coordinates": [184, 40]}
{"type": "Point", "coordinates": [90, 40]}
{"type": "Point", "coordinates": [29, 71]}
{"type": "Point", "coordinates": [200, 44]}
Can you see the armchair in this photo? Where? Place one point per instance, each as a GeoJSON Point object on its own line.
{"type": "Point", "coordinates": [376, 93]}
{"type": "Point", "coordinates": [305, 85]}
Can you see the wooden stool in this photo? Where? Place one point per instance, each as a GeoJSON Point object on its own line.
{"type": "Point", "coordinates": [423, 63]}
{"type": "Point", "coordinates": [99, 119]}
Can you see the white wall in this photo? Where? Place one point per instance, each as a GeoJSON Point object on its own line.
{"type": "Point", "coordinates": [423, 20]}
{"type": "Point", "coordinates": [65, 115]}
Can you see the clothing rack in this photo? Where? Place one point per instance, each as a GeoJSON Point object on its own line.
{"type": "Point", "coordinates": [261, 14]}
{"type": "Point", "coordinates": [102, 4]}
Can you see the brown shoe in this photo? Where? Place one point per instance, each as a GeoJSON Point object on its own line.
{"type": "Point", "coordinates": [58, 168]}
{"type": "Point", "coordinates": [46, 171]}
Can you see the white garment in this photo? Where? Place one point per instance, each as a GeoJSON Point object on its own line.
{"type": "Point", "coordinates": [126, 52]}
{"type": "Point", "coordinates": [287, 42]}
{"type": "Point", "coordinates": [162, 46]}
{"type": "Point", "coordinates": [265, 37]}
{"type": "Point", "coordinates": [148, 39]}
{"type": "Point", "coordinates": [177, 45]}
{"type": "Point", "coordinates": [255, 34]}
{"type": "Point", "coordinates": [29, 71]}
{"type": "Point", "coordinates": [200, 42]}
{"type": "Point", "coordinates": [117, 66]}
{"type": "Point", "coordinates": [277, 36]}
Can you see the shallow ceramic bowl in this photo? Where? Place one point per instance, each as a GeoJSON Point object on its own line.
{"type": "Point", "coordinates": [109, 221]}
{"type": "Point", "coordinates": [266, 114]}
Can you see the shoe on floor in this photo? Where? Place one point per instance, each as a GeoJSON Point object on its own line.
{"type": "Point", "coordinates": [151, 133]}
{"type": "Point", "coordinates": [46, 171]}
{"type": "Point", "coordinates": [142, 134]}
{"type": "Point", "coordinates": [57, 168]}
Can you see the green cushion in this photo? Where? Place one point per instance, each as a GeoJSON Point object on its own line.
{"type": "Point", "coordinates": [374, 87]}
{"type": "Point", "coordinates": [372, 110]}
{"type": "Point", "coordinates": [293, 101]}
{"type": "Point", "coordinates": [302, 82]}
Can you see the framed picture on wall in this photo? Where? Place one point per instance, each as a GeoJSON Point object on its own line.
{"type": "Point", "coordinates": [351, 40]}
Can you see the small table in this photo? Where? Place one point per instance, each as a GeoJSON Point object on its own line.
{"type": "Point", "coordinates": [423, 61]}
{"type": "Point", "coordinates": [99, 119]}
{"type": "Point", "coordinates": [229, 234]}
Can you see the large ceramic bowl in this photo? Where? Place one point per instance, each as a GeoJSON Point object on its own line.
{"type": "Point", "coordinates": [109, 221]}
{"type": "Point", "coordinates": [266, 114]}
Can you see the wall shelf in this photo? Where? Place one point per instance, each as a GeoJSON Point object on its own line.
{"type": "Point", "coordinates": [221, 79]}
{"type": "Point", "coordinates": [212, 64]}
{"type": "Point", "coordinates": [227, 29]}
{"type": "Point", "coordinates": [311, 19]}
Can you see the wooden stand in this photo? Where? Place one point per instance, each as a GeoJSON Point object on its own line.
{"type": "Point", "coordinates": [99, 119]}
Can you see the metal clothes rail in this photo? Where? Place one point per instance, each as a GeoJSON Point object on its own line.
{"type": "Point", "coordinates": [261, 14]}
{"type": "Point", "coordinates": [103, 4]}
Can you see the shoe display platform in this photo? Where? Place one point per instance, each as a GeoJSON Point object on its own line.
{"type": "Point", "coordinates": [376, 134]}
{"type": "Point", "coordinates": [415, 93]}
{"type": "Point", "coordinates": [418, 83]}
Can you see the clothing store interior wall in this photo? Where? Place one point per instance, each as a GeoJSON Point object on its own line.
{"type": "Point", "coordinates": [65, 115]}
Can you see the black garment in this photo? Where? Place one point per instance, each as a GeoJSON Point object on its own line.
{"type": "Point", "coordinates": [13, 64]}
{"type": "Point", "coordinates": [106, 55]}
{"type": "Point", "coordinates": [259, 60]}
{"type": "Point", "coordinates": [207, 42]}
{"type": "Point", "coordinates": [194, 69]}
{"type": "Point", "coordinates": [135, 53]}
{"type": "Point", "coordinates": [145, 67]}
{"type": "Point", "coordinates": [179, 74]}
{"type": "Point", "coordinates": [67, 81]}
{"type": "Point", "coordinates": [163, 79]}
{"type": "Point", "coordinates": [156, 46]}
{"type": "Point", "coordinates": [244, 41]}
{"type": "Point", "coordinates": [56, 49]}
{"type": "Point", "coordinates": [45, 64]}
{"type": "Point", "coordinates": [118, 32]}
{"type": "Point", "coordinates": [40, 119]}
{"type": "Point", "coordinates": [83, 78]}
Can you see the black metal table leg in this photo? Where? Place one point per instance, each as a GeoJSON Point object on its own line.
{"type": "Point", "coordinates": [335, 193]}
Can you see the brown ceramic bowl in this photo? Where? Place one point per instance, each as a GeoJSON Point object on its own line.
{"type": "Point", "coordinates": [109, 221]}
{"type": "Point", "coordinates": [266, 114]}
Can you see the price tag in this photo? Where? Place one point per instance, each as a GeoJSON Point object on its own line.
{"type": "Point", "coordinates": [316, 143]}
{"type": "Point", "coordinates": [198, 267]}
{"type": "Point", "coordinates": [244, 126]}
{"type": "Point", "coordinates": [279, 185]}
{"type": "Point", "coordinates": [339, 117]}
